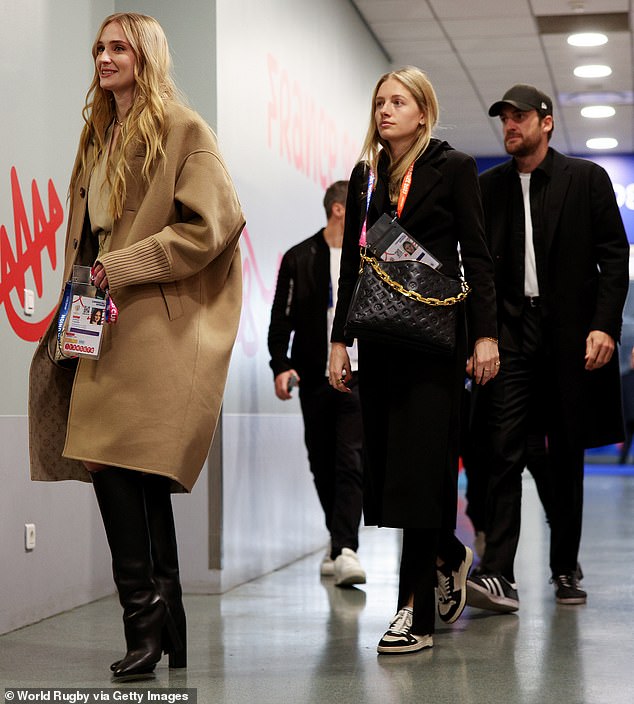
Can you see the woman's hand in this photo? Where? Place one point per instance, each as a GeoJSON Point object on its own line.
{"type": "Point", "coordinates": [486, 360]}
{"type": "Point", "coordinates": [99, 276]}
{"type": "Point", "coordinates": [339, 367]}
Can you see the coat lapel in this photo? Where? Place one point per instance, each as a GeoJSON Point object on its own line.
{"type": "Point", "coordinates": [426, 177]}
{"type": "Point", "coordinates": [558, 188]}
{"type": "Point", "coordinates": [500, 192]}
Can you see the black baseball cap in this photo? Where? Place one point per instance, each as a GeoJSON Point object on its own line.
{"type": "Point", "coordinates": [523, 97]}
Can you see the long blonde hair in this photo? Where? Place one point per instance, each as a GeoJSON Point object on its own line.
{"type": "Point", "coordinates": [423, 92]}
{"type": "Point", "coordinates": [145, 122]}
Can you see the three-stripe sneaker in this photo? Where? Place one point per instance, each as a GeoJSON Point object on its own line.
{"type": "Point", "coordinates": [493, 592]}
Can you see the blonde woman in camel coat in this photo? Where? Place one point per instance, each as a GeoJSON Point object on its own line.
{"type": "Point", "coordinates": [154, 212]}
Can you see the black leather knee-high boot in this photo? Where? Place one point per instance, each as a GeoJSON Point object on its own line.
{"type": "Point", "coordinates": [158, 503]}
{"type": "Point", "coordinates": [121, 500]}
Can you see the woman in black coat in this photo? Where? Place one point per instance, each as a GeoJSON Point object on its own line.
{"type": "Point", "coordinates": [411, 399]}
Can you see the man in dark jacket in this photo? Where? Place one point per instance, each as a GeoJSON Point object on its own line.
{"type": "Point", "coordinates": [304, 304]}
{"type": "Point", "coordinates": [561, 273]}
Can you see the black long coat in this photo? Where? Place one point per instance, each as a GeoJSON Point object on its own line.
{"type": "Point", "coordinates": [583, 279]}
{"type": "Point", "coordinates": [410, 400]}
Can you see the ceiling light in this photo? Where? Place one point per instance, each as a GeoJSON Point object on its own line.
{"type": "Point", "coordinates": [602, 143]}
{"type": "Point", "coordinates": [587, 39]}
{"type": "Point", "coordinates": [592, 71]}
{"type": "Point", "coordinates": [598, 111]}
{"type": "Point", "coordinates": [595, 97]}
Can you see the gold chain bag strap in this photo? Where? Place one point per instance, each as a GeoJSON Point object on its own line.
{"type": "Point", "coordinates": [406, 303]}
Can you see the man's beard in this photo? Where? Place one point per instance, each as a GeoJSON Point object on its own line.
{"type": "Point", "coordinates": [521, 147]}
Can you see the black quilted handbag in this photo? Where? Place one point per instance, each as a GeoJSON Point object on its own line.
{"type": "Point", "coordinates": [405, 303]}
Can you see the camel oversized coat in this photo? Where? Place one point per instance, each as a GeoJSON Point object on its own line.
{"type": "Point", "coordinates": [152, 400]}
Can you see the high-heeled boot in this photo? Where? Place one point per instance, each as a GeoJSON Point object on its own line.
{"type": "Point", "coordinates": [160, 518]}
{"type": "Point", "coordinates": [121, 501]}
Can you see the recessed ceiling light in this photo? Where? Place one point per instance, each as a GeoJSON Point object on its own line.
{"type": "Point", "coordinates": [587, 39]}
{"type": "Point", "coordinates": [602, 143]}
{"type": "Point", "coordinates": [592, 71]}
{"type": "Point", "coordinates": [595, 97]}
{"type": "Point", "coordinates": [598, 111]}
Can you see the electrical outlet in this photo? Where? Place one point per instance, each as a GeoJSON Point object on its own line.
{"type": "Point", "coordinates": [29, 302]}
{"type": "Point", "coordinates": [29, 536]}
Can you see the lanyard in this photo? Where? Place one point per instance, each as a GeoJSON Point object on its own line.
{"type": "Point", "coordinates": [402, 197]}
{"type": "Point", "coordinates": [112, 312]}
{"type": "Point", "coordinates": [362, 240]}
{"type": "Point", "coordinates": [63, 313]}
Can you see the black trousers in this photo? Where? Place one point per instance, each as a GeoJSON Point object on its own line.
{"type": "Point", "coordinates": [476, 455]}
{"type": "Point", "coordinates": [527, 370]}
{"type": "Point", "coordinates": [333, 434]}
{"type": "Point", "coordinates": [417, 575]}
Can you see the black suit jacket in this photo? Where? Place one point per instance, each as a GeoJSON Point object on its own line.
{"type": "Point", "coordinates": [583, 280]}
{"type": "Point", "coordinates": [300, 306]}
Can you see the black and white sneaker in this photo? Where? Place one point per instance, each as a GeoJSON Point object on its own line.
{"type": "Point", "coordinates": [399, 638]}
{"type": "Point", "coordinates": [452, 588]}
{"type": "Point", "coordinates": [493, 592]}
{"type": "Point", "coordinates": [567, 589]}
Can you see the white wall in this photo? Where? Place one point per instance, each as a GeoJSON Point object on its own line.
{"type": "Point", "coordinates": [44, 74]}
{"type": "Point", "coordinates": [246, 66]}
{"type": "Point", "coordinates": [295, 79]}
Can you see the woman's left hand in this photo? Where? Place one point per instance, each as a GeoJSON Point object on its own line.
{"type": "Point", "coordinates": [99, 276]}
{"type": "Point", "coordinates": [486, 360]}
{"type": "Point", "coordinates": [340, 370]}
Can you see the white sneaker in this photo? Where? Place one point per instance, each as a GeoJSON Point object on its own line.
{"type": "Point", "coordinates": [348, 569]}
{"type": "Point", "coordinates": [327, 566]}
{"type": "Point", "coordinates": [452, 588]}
{"type": "Point", "coordinates": [399, 638]}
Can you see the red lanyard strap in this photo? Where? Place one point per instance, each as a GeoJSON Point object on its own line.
{"type": "Point", "coordinates": [405, 186]}
{"type": "Point", "coordinates": [402, 197]}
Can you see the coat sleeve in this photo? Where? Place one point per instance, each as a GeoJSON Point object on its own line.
{"type": "Point", "coordinates": [281, 325]}
{"type": "Point", "coordinates": [612, 255]}
{"type": "Point", "coordinates": [208, 220]}
{"type": "Point", "coordinates": [350, 257]}
{"type": "Point", "coordinates": [476, 259]}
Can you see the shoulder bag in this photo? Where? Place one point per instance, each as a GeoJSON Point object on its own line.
{"type": "Point", "coordinates": [404, 303]}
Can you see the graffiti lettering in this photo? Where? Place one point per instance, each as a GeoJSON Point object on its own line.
{"type": "Point", "coordinates": [252, 285]}
{"type": "Point", "coordinates": [624, 195]}
{"type": "Point", "coordinates": [27, 255]}
{"type": "Point", "coordinates": [307, 136]}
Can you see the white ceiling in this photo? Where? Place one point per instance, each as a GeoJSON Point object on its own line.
{"type": "Point", "coordinates": [474, 50]}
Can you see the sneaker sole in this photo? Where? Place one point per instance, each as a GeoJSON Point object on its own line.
{"type": "Point", "coordinates": [350, 579]}
{"type": "Point", "coordinates": [483, 599]}
{"type": "Point", "coordinates": [572, 601]}
{"type": "Point", "coordinates": [462, 575]}
{"type": "Point", "coordinates": [424, 642]}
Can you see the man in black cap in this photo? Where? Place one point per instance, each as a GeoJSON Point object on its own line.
{"type": "Point", "coordinates": [561, 261]}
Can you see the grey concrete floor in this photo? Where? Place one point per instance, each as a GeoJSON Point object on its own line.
{"type": "Point", "coordinates": [293, 637]}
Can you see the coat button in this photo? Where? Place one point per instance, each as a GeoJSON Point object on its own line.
{"type": "Point", "coordinates": [82, 192]}
{"type": "Point", "coordinates": [75, 243]}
